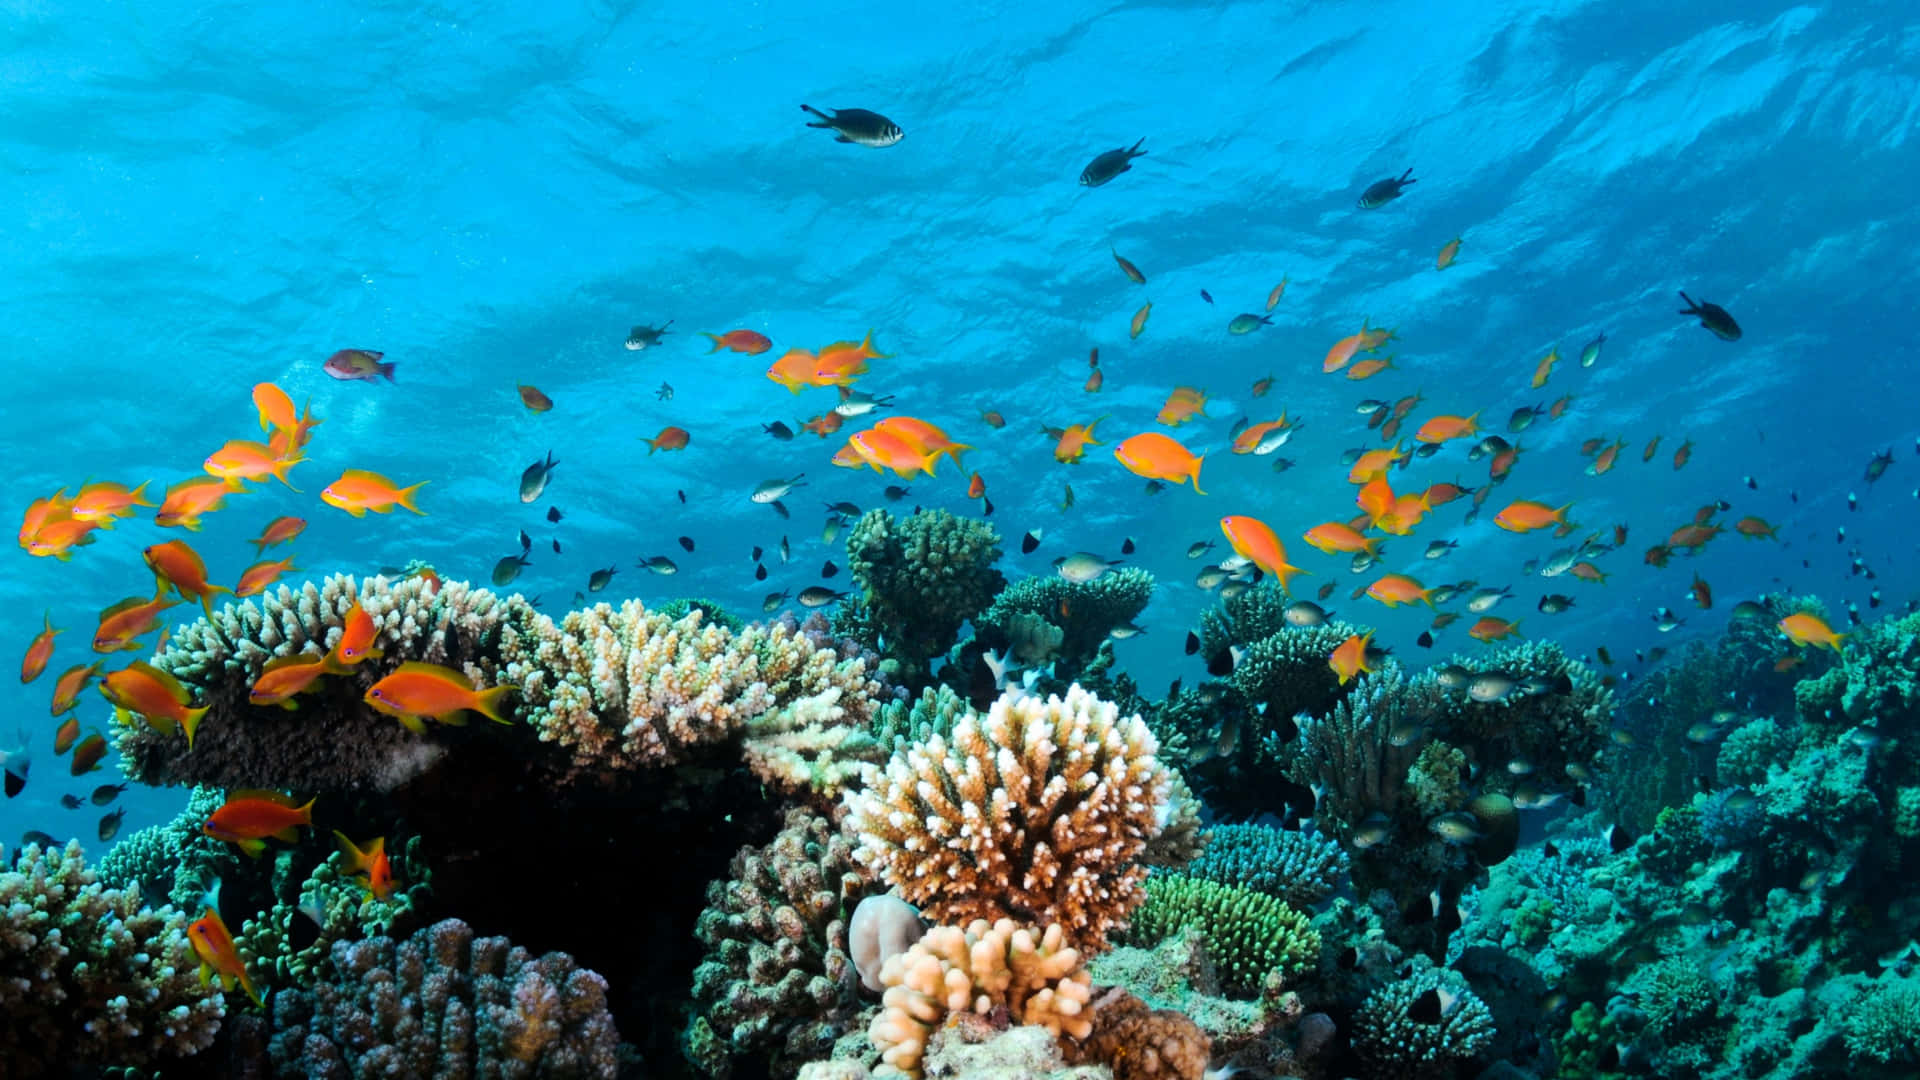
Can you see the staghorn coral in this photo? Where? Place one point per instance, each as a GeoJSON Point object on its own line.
{"type": "Point", "coordinates": [446, 1004]}
{"type": "Point", "coordinates": [172, 863]}
{"type": "Point", "coordinates": [1247, 934]}
{"type": "Point", "coordinates": [1393, 1045]}
{"type": "Point", "coordinates": [1037, 810]}
{"type": "Point", "coordinates": [777, 977]}
{"type": "Point", "coordinates": [1034, 975]}
{"type": "Point", "coordinates": [1084, 612]}
{"type": "Point", "coordinates": [90, 977]}
{"type": "Point", "coordinates": [923, 577]}
{"type": "Point", "coordinates": [1297, 867]}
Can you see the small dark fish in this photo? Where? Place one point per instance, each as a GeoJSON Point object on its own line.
{"type": "Point", "coordinates": [106, 793]}
{"type": "Point", "coordinates": [556, 547]}
{"type": "Point", "coordinates": [554, 515]}
{"type": "Point", "coordinates": [861, 127]}
{"type": "Point", "coordinates": [1199, 548]}
{"type": "Point", "coordinates": [1105, 167]}
{"type": "Point", "coordinates": [1381, 192]}
{"type": "Point", "coordinates": [773, 600]}
{"type": "Point", "coordinates": [896, 492]}
{"type": "Point", "coordinates": [1205, 296]}
{"type": "Point", "coordinates": [1431, 1006]}
{"type": "Point", "coordinates": [665, 393]}
{"type": "Point", "coordinates": [1590, 352]}
{"type": "Point", "coordinates": [1030, 543]}
{"type": "Point", "coordinates": [683, 495]}
{"type": "Point", "coordinates": [986, 506]}
{"type": "Point", "coordinates": [1617, 837]}
{"type": "Point", "coordinates": [1126, 546]}
{"type": "Point", "coordinates": [1066, 499]}
{"type": "Point", "coordinates": [1193, 643]}
{"type": "Point", "coordinates": [1713, 317]}
{"type": "Point", "coordinates": [1155, 487]}
{"type": "Point", "coordinates": [818, 596]}
{"type": "Point", "coordinates": [72, 802]}
{"type": "Point", "coordinates": [508, 568]}
{"type": "Point", "coordinates": [758, 551]}
{"type": "Point", "coordinates": [1245, 323]}
{"type": "Point", "coordinates": [829, 569]}
{"type": "Point", "coordinates": [1554, 603]}
{"type": "Point", "coordinates": [686, 543]}
{"type": "Point", "coordinates": [526, 542]}
{"type": "Point", "coordinates": [643, 337]}
{"type": "Point", "coordinates": [1878, 465]}
{"type": "Point", "coordinates": [533, 480]}
{"type": "Point", "coordinates": [600, 579]}
{"type": "Point", "coordinates": [778, 430]}
{"type": "Point", "coordinates": [35, 836]}
{"type": "Point", "coordinates": [781, 509]}
{"type": "Point", "coordinates": [1425, 640]}
{"type": "Point", "coordinates": [110, 825]}
{"type": "Point", "coordinates": [1523, 418]}
{"type": "Point", "coordinates": [759, 571]}
{"type": "Point", "coordinates": [659, 564]}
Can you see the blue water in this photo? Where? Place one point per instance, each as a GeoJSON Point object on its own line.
{"type": "Point", "coordinates": [204, 199]}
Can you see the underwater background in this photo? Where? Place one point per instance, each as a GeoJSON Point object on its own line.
{"type": "Point", "coordinates": [211, 197]}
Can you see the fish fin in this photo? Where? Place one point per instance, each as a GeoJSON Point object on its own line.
{"type": "Point", "coordinates": [487, 702]}
{"type": "Point", "coordinates": [716, 343]}
{"type": "Point", "coordinates": [290, 834]}
{"type": "Point", "coordinates": [253, 848]}
{"type": "Point", "coordinates": [411, 723]}
{"type": "Point", "coordinates": [456, 718]}
{"type": "Point", "coordinates": [405, 497]}
{"type": "Point", "coordinates": [190, 722]}
{"type": "Point", "coordinates": [234, 483]}
{"type": "Point", "coordinates": [387, 370]}
{"type": "Point", "coordinates": [1195, 474]}
{"type": "Point", "coordinates": [363, 474]}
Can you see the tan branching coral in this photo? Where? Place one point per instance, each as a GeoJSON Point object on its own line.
{"type": "Point", "coordinates": [1034, 975]}
{"type": "Point", "coordinates": [1039, 811]}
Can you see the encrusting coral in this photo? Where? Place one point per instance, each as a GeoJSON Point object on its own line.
{"type": "Point", "coordinates": [90, 977]}
{"type": "Point", "coordinates": [1040, 811]}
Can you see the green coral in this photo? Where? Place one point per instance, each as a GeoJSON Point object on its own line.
{"type": "Point", "coordinates": [1248, 934]}
{"type": "Point", "coordinates": [1751, 749]}
{"type": "Point", "coordinates": [1533, 921]}
{"type": "Point", "coordinates": [897, 724]}
{"type": "Point", "coordinates": [923, 577]}
{"type": "Point", "coordinates": [712, 613]}
{"type": "Point", "coordinates": [1393, 1045]}
{"type": "Point", "coordinates": [1581, 1046]}
{"type": "Point", "coordinates": [1881, 684]}
{"type": "Point", "coordinates": [1881, 1027]}
{"type": "Point", "coordinates": [1242, 619]}
{"type": "Point", "coordinates": [1084, 611]}
{"type": "Point", "coordinates": [176, 861]}
{"type": "Point", "coordinates": [1297, 867]}
{"type": "Point", "coordinates": [332, 906]}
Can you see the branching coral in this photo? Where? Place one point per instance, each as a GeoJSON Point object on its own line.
{"type": "Point", "coordinates": [1037, 811]}
{"type": "Point", "coordinates": [290, 942]}
{"type": "Point", "coordinates": [446, 1004]}
{"type": "Point", "coordinates": [89, 977]}
{"type": "Point", "coordinates": [923, 577]}
{"type": "Point", "coordinates": [1248, 934]}
{"type": "Point", "coordinates": [172, 863]}
{"type": "Point", "coordinates": [1533, 738]}
{"type": "Point", "coordinates": [1400, 1037]}
{"type": "Point", "coordinates": [1300, 868]}
{"type": "Point", "coordinates": [778, 974]}
{"type": "Point", "coordinates": [1084, 612]}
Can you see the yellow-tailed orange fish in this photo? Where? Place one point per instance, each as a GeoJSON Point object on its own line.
{"type": "Point", "coordinates": [1342, 351]}
{"type": "Point", "coordinates": [1502, 463]}
{"type": "Point", "coordinates": [1157, 457]}
{"type": "Point", "coordinates": [670, 438]}
{"type": "Point", "coordinates": [1250, 437]}
{"type": "Point", "coordinates": [884, 449]}
{"type": "Point", "coordinates": [1072, 441]}
{"type": "Point", "coordinates": [1444, 492]}
{"type": "Point", "coordinates": [825, 424]}
{"type": "Point", "coordinates": [1559, 407]}
{"type": "Point", "coordinates": [123, 624]}
{"type": "Point", "coordinates": [1439, 429]}
{"type": "Point", "coordinates": [1372, 337]}
{"type": "Point", "coordinates": [1396, 589]}
{"type": "Point", "coordinates": [533, 399]}
{"type": "Point", "coordinates": [39, 651]}
{"type": "Point", "coordinates": [144, 689]}
{"type": "Point", "coordinates": [250, 815]}
{"type": "Point", "coordinates": [104, 501]}
{"type": "Point", "coordinates": [66, 689]}
{"type": "Point", "coordinates": [848, 456]}
{"type": "Point", "coordinates": [278, 531]}
{"type": "Point", "coordinates": [748, 342]}
{"type": "Point", "coordinates": [219, 958]}
{"type": "Point", "coordinates": [87, 754]}
{"type": "Point", "coordinates": [1525, 515]}
{"type": "Point", "coordinates": [832, 354]}
{"type": "Point", "coordinates": [418, 692]}
{"type": "Point", "coordinates": [358, 632]}
{"type": "Point", "coordinates": [1373, 463]}
{"type": "Point", "coordinates": [255, 579]}
{"type": "Point", "coordinates": [1369, 367]}
{"type": "Point", "coordinates": [1806, 628]}
{"type": "Point", "coordinates": [176, 564]}
{"type": "Point", "coordinates": [794, 370]}
{"type": "Point", "coordinates": [59, 538]}
{"type": "Point", "coordinates": [1255, 541]}
{"type": "Point", "coordinates": [1182, 405]}
{"type": "Point", "coordinates": [66, 735]}
{"type": "Point", "coordinates": [1544, 369]}
{"type": "Point", "coordinates": [369, 864]}
{"type": "Point", "coordinates": [1375, 498]}
{"type": "Point", "coordinates": [1349, 658]}
{"type": "Point", "coordinates": [43, 512]}
{"type": "Point", "coordinates": [1489, 628]}
{"type": "Point", "coordinates": [1788, 663]}
{"type": "Point", "coordinates": [1133, 272]}
{"type": "Point", "coordinates": [839, 368]}
{"type": "Point", "coordinates": [1339, 537]}
{"type": "Point", "coordinates": [924, 436]}
{"type": "Point", "coordinates": [285, 677]}
{"type": "Point", "coordinates": [358, 491]}
{"type": "Point", "coordinates": [274, 406]}
{"type": "Point", "coordinates": [241, 460]}
{"type": "Point", "coordinates": [190, 500]}
{"type": "Point", "coordinates": [1273, 297]}
{"type": "Point", "coordinates": [1447, 254]}
{"type": "Point", "coordinates": [1139, 322]}
{"type": "Point", "coordinates": [976, 487]}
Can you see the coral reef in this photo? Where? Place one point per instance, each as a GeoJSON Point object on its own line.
{"type": "Point", "coordinates": [1553, 727]}
{"type": "Point", "coordinates": [289, 942]}
{"type": "Point", "coordinates": [1299, 868]}
{"type": "Point", "coordinates": [447, 1004]}
{"type": "Point", "coordinates": [1139, 1042]}
{"type": "Point", "coordinates": [90, 977]}
{"type": "Point", "coordinates": [1396, 1042]}
{"type": "Point", "coordinates": [172, 863]}
{"type": "Point", "coordinates": [778, 976]}
{"type": "Point", "coordinates": [923, 577]}
{"type": "Point", "coordinates": [1247, 934]}
{"type": "Point", "coordinates": [1084, 613]}
{"type": "Point", "coordinates": [1038, 810]}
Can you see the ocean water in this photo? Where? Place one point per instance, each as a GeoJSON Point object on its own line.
{"type": "Point", "coordinates": [209, 196]}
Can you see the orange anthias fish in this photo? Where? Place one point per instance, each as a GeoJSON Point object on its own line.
{"type": "Point", "coordinates": [1182, 405]}
{"type": "Point", "coordinates": [218, 956]}
{"type": "Point", "coordinates": [1255, 541]}
{"type": "Point", "coordinates": [370, 864]}
{"type": "Point", "coordinates": [1439, 429]}
{"type": "Point", "coordinates": [1373, 464]}
{"type": "Point", "coordinates": [250, 815]}
{"type": "Point", "coordinates": [1261, 386]}
{"type": "Point", "coordinates": [1371, 366]}
{"type": "Point", "coordinates": [1341, 354]}
{"type": "Point", "coordinates": [44, 512]}
{"type": "Point", "coordinates": [286, 677]}
{"type": "Point", "coordinates": [993, 419]}
{"type": "Point", "coordinates": [40, 651]}
{"type": "Point", "coordinates": [1544, 369]}
{"type": "Point", "coordinates": [794, 370]}
{"type": "Point", "coordinates": [1806, 628]}
{"type": "Point", "coordinates": [1603, 461]}
{"type": "Point", "coordinates": [241, 460]}
{"type": "Point", "coordinates": [175, 563]}
{"type": "Point", "coordinates": [838, 353]}
{"type": "Point", "coordinates": [1756, 528]}
{"type": "Point", "coordinates": [418, 692]}
{"type": "Point", "coordinates": [1095, 381]}
{"type": "Point", "coordinates": [144, 689]}
{"type": "Point", "coordinates": [1559, 408]}
{"type": "Point", "coordinates": [1126, 267]}
{"type": "Point", "coordinates": [839, 368]}
{"type": "Point", "coordinates": [274, 406]}
{"type": "Point", "coordinates": [1702, 592]}
{"type": "Point", "coordinates": [1338, 537]}
{"type": "Point", "coordinates": [1250, 438]}
{"type": "Point", "coordinates": [104, 501]}
{"type": "Point", "coordinates": [883, 449]}
{"type": "Point", "coordinates": [1139, 323]}
{"type": "Point", "coordinates": [123, 624]}
{"type": "Point", "coordinates": [190, 500]}
{"type": "Point", "coordinates": [1072, 441]}
{"type": "Point", "coordinates": [1278, 291]}
{"type": "Point", "coordinates": [976, 487]}
{"type": "Point", "coordinates": [533, 399]}
{"type": "Point", "coordinates": [1524, 515]}
{"type": "Point", "coordinates": [278, 531]}
{"type": "Point", "coordinates": [1448, 254]}
{"type": "Point", "coordinates": [1396, 589]}
{"type": "Point", "coordinates": [1653, 447]}
{"type": "Point", "coordinates": [87, 755]}
{"type": "Point", "coordinates": [358, 491]}
{"type": "Point", "coordinates": [748, 342]}
{"type": "Point", "coordinates": [1349, 658]}
{"type": "Point", "coordinates": [1489, 628]}
{"type": "Point", "coordinates": [1157, 457]}
{"type": "Point", "coordinates": [825, 424]}
{"type": "Point", "coordinates": [66, 689]}
{"type": "Point", "coordinates": [924, 436]}
{"type": "Point", "coordinates": [255, 579]}
{"type": "Point", "coordinates": [59, 538]}
{"type": "Point", "coordinates": [358, 632]}
{"type": "Point", "coordinates": [66, 735]}
{"type": "Point", "coordinates": [670, 438]}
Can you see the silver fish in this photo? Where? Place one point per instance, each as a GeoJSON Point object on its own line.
{"type": "Point", "coordinates": [534, 478]}
{"type": "Point", "coordinates": [1083, 566]}
{"type": "Point", "coordinates": [771, 490]}
{"type": "Point", "coordinates": [643, 337]}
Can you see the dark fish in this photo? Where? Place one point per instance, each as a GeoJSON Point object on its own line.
{"type": "Point", "coordinates": [1304, 614]}
{"type": "Point", "coordinates": [686, 543]}
{"type": "Point", "coordinates": [1617, 837]}
{"type": "Point", "coordinates": [554, 515]}
{"type": "Point", "coordinates": [1030, 543]}
{"type": "Point", "coordinates": [818, 596]}
{"type": "Point", "coordinates": [106, 793]}
{"type": "Point", "coordinates": [600, 579]}
{"type": "Point", "coordinates": [659, 564]}
{"type": "Point", "coordinates": [858, 126]}
{"type": "Point", "coordinates": [1193, 643]}
{"type": "Point", "coordinates": [1155, 487]}
{"type": "Point", "coordinates": [1590, 352]}
{"type": "Point", "coordinates": [1425, 640]}
{"type": "Point", "coordinates": [110, 825]}
{"type": "Point", "coordinates": [643, 337]}
{"type": "Point", "coordinates": [526, 542]}
{"type": "Point", "coordinates": [682, 494]}
{"type": "Point", "coordinates": [1204, 296]}
{"type": "Point", "coordinates": [781, 509]}
{"type": "Point", "coordinates": [986, 506]}
{"type": "Point", "coordinates": [772, 601]}
{"type": "Point", "coordinates": [844, 509]}
{"type": "Point", "coordinates": [1490, 686]}
{"type": "Point", "coordinates": [1109, 165]}
{"type": "Point", "coordinates": [1126, 546]}
{"type": "Point", "coordinates": [556, 547]}
{"type": "Point", "coordinates": [1878, 465]}
{"type": "Point", "coordinates": [665, 393]}
{"type": "Point", "coordinates": [829, 569]}
{"type": "Point", "coordinates": [534, 479]}
{"type": "Point", "coordinates": [1244, 323]}
{"type": "Point", "coordinates": [895, 492]}
{"type": "Point", "coordinates": [778, 430]}
{"type": "Point", "coordinates": [759, 571]}
{"type": "Point", "coordinates": [1713, 317]}
{"type": "Point", "coordinates": [1381, 192]}
{"type": "Point", "coordinates": [35, 836]}
{"type": "Point", "coordinates": [508, 568]}
{"type": "Point", "coordinates": [72, 802]}
{"type": "Point", "coordinates": [1554, 603]}
{"type": "Point", "coordinates": [758, 551]}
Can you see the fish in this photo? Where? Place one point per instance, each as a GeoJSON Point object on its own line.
{"type": "Point", "coordinates": [1878, 466]}
{"type": "Point", "coordinates": [976, 487]}
{"type": "Point", "coordinates": [1273, 296]}
{"type": "Point", "coordinates": [1247, 323]}
{"type": "Point", "coordinates": [278, 531]}
{"type": "Point", "coordinates": [255, 579]}
{"type": "Point", "coordinates": [1207, 296]}
{"type": "Point", "coordinates": [644, 337]}
{"type": "Point", "coordinates": [71, 802]}
{"type": "Point", "coordinates": [1133, 272]}
{"type": "Point", "coordinates": [1349, 659]}
{"type": "Point", "coordinates": [123, 624]}
{"type": "Point", "coordinates": [1447, 254]}
{"type": "Point", "coordinates": [1806, 628]}
{"type": "Point", "coordinates": [533, 399]}
{"type": "Point", "coordinates": [1157, 457]}
{"type": "Point", "coordinates": [16, 765]}
{"type": "Point", "coordinates": [418, 691]}
{"type": "Point", "coordinates": [1683, 455]}
{"type": "Point", "coordinates": [358, 632]}
{"type": "Point", "coordinates": [1030, 542]}
{"type": "Point", "coordinates": [1664, 620]}
{"type": "Point", "coordinates": [670, 438]}
{"type": "Point", "coordinates": [106, 793]}
{"type": "Point", "coordinates": [1183, 404]}
{"type": "Point", "coordinates": [364, 365]}
{"type": "Point", "coordinates": [1255, 540]}
{"type": "Point", "coordinates": [1544, 369]}
{"type": "Point", "coordinates": [1396, 589]}
{"type": "Point", "coordinates": [369, 864]}
{"type": "Point", "coordinates": [1713, 317]}
{"type": "Point", "coordinates": [599, 579]}
{"type": "Point", "coordinates": [814, 596]}
{"type": "Point", "coordinates": [993, 419]}
{"type": "Point", "coordinates": [1484, 600]}
{"type": "Point", "coordinates": [1304, 614]}
{"type": "Point", "coordinates": [554, 515]}
{"type": "Point", "coordinates": [1493, 628]}
{"type": "Point", "coordinates": [286, 677]}
{"type": "Point", "coordinates": [664, 393]}
{"type": "Point", "coordinates": [188, 501]}
{"type": "Point", "coordinates": [1439, 548]}
{"type": "Point", "coordinates": [1071, 442]}
{"type": "Point", "coordinates": [1554, 603]}
{"type": "Point", "coordinates": [1590, 352]}
{"type": "Point", "coordinates": [1488, 687]}
{"type": "Point", "coordinates": [770, 490]}
{"type": "Point", "coordinates": [40, 650]}
{"type": "Point", "coordinates": [154, 694]}
{"type": "Point", "coordinates": [855, 403]}
{"type": "Point", "coordinates": [508, 568]}
{"type": "Point", "coordinates": [1524, 515]}
{"type": "Point", "coordinates": [103, 502]}
{"type": "Point", "coordinates": [175, 563]}
{"type": "Point", "coordinates": [1702, 592]}
{"type": "Point", "coordinates": [772, 601]}
{"type": "Point", "coordinates": [896, 492]}
{"type": "Point", "coordinates": [748, 342]}
{"type": "Point", "coordinates": [219, 957]}
{"type": "Point", "coordinates": [1443, 428]}
{"type": "Point", "coordinates": [861, 127]}
{"type": "Point", "coordinates": [1082, 566]}
{"type": "Point", "coordinates": [87, 754]}
{"type": "Point", "coordinates": [1381, 192]}
{"type": "Point", "coordinates": [110, 825]}
{"type": "Point", "coordinates": [358, 491]}
{"type": "Point", "coordinates": [1138, 324]}
{"type": "Point", "coordinates": [1523, 418]}
{"type": "Point", "coordinates": [660, 564]}
{"type": "Point", "coordinates": [1107, 165]}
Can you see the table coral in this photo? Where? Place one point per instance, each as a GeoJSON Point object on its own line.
{"type": "Point", "coordinates": [90, 977]}
{"type": "Point", "coordinates": [1039, 810]}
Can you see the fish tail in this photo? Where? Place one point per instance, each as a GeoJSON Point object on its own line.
{"type": "Point", "coordinates": [867, 350]}
{"type": "Point", "coordinates": [487, 702]}
{"type": "Point", "coordinates": [190, 722]}
{"type": "Point", "coordinates": [133, 497]}
{"type": "Point", "coordinates": [716, 343]}
{"type": "Point", "coordinates": [282, 467]}
{"type": "Point", "coordinates": [1194, 474]}
{"type": "Point", "coordinates": [385, 369]}
{"type": "Point", "coordinates": [404, 497]}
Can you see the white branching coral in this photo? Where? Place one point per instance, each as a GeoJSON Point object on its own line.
{"type": "Point", "coordinates": [1034, 975]}
{"type": "Point", "coordinates": [1039, 811]}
